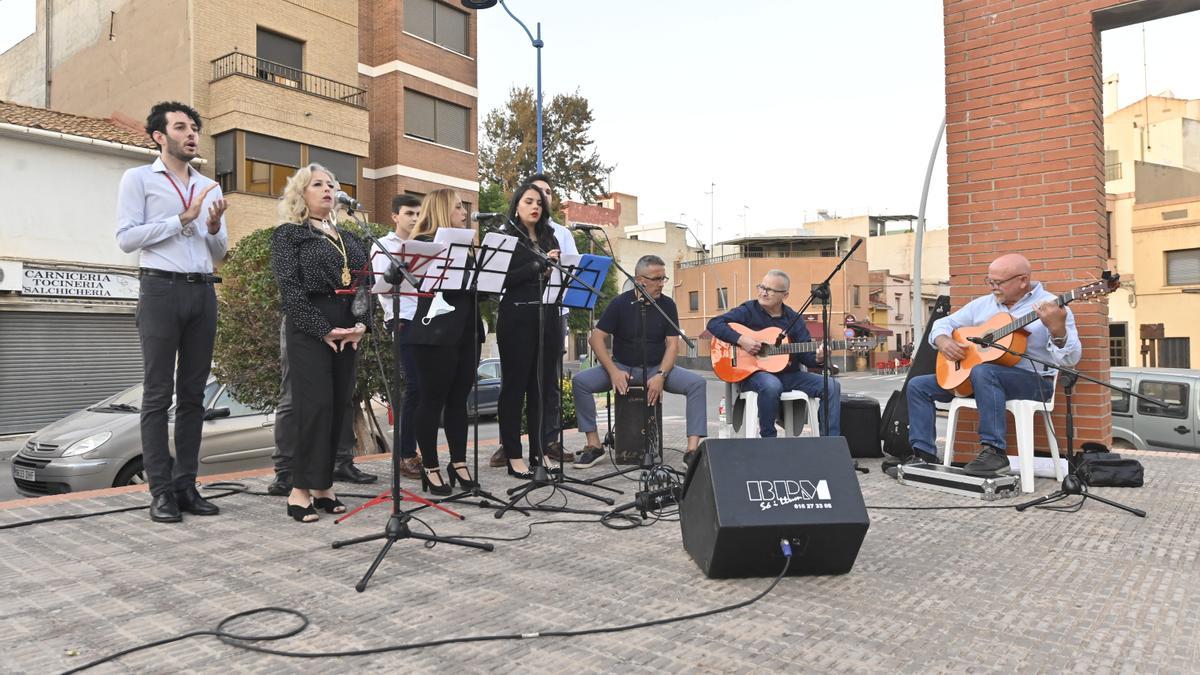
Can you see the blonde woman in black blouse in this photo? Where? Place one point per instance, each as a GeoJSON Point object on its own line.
{"type": "Point", "coordinates": [445, 348]}
{"type": "Point", "coordinates": [312, 258]}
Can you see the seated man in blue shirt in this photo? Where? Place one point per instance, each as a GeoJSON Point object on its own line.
{"type": "Point", "coordinates": [768, 311]}
{"type": "Point", "coordinates": [1051, 338]}
{"type": "Point", "coordinates": [644, 349]}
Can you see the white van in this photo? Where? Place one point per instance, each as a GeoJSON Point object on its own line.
{"type": "Point", "coordinates": [1141, 425]}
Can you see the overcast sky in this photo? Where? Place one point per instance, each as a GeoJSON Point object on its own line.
{"type": "Point", "coordinates": [789, 107]}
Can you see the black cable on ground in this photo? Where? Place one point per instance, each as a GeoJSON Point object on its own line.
{"type": "Point", "coordinates": [241, 641]}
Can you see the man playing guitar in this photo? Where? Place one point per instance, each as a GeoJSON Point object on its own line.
{"type": "Point", "coordinates": [768, 311]}
{"type": "Point", "coordinates": [1052, 337]}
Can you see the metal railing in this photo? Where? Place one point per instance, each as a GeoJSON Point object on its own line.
{"type": "Point", "coordinates": [237, 63]}
{"type": "Point", "coordinates": [1112, 172]}
{"type": "Point", "coordinates": [756, 254]}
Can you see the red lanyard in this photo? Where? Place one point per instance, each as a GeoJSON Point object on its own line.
{"type": "Point", "coordinates": [187, 204]}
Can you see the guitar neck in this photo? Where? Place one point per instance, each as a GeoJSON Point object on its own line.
{"type": "Point", "coordinates": [1028, 318]}
{"type": "Point", "coordinates": [801, 347]}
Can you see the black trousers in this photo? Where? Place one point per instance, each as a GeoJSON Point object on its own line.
{"type": "Point", "coordinates": [285, 426]}
{"type": "Point", "coordinates": [446, 374]}
{"type": "Point", "coordinates": [176, 321]}
{"type": "Point", "coordinates": [322, 384]}
{"type": "Point", "coordinates": [520, 390]}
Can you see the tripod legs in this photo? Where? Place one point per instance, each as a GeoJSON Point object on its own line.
{"type": "Point", "coordinates": [396, 529]}
{"type": "Point", "coordinates": [1071, 485]}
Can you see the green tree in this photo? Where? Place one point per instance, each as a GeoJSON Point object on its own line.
{"type": "Point", "coordinates": [246, 353]}
{"type": "Point", "coordinates": [508, 150]}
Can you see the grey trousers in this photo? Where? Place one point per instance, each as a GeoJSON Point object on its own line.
{"type": "Point", "coordinates": [285, 426]}
{"type": "Point", "coordinates": [175, 319]}
{"type": "Point", "coordinates": [679, 381]}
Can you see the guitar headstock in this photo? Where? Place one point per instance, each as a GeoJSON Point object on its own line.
{"type": "Point", "coordinates": [1107, 283]}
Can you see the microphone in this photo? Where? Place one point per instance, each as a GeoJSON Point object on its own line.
{"type": "Point", "coordinates": [980, 341]}
{"type": "Point", "coordinates": [580, 227]}
{"type": "Point", "coordinates": [347, 201]}
{"type": "Point", "coordinates": [478, 216]}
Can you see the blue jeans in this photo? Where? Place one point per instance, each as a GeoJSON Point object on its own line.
{"type": "Point", "coordinates": [994, 385]}
{"type": "Point", "coordinates": [679, 381]}
{"type": "Point", "coordinates": [769, 386]}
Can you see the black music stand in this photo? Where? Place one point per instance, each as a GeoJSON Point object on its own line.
{"type": "Point", "coordinates": [491, 259]}
{"type": "Point", "coordinates": [397, 526]}
{"type": "Point", "coordinates": [541, 476]}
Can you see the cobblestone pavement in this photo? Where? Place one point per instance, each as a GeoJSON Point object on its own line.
{"type": "Point", "coordinates": [931, 591]}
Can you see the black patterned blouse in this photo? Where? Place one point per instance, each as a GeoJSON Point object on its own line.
{"type": "Point", "coordinates": [307, 263]}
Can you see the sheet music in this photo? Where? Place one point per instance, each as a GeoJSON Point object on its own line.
{"type": "Point", "coordinates": [554, 287]}
{"type": "Point", "coordinates": [453, 270]}
{"type": "Point", "coordinates": [499, 252]}
{"type": "Point", "coordinates": [409, 252]}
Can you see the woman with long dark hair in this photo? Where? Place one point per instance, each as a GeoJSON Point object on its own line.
{"type": "Point", "coordinates": [311, 258]}
{"type": "Point", "coordinates": [522, 324]}
{"type": "Point", "coordinates": [445, 347]}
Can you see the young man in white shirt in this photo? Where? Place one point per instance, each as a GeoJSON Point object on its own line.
{"type": "Point", "coordinates": [174, 217]}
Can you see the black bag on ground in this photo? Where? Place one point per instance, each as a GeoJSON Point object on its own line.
{"type": "Point", "coordinates": [1100, 468]}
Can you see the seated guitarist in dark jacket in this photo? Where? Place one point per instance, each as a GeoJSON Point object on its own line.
{"type": "Point", "coordinates": [768, 311]}
{"type": "Point", "coordinates": [1051, 338]}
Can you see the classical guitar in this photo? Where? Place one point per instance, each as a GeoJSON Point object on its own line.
{"type": "Point", "coordinates": [1008, 332]}
{"type": "Point", "coordinates": [734, 364]}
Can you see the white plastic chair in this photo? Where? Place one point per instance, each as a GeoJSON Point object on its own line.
{"type": "Point", "coordinates": [1023, 412]}
{"type": "Point", "coordinates": [745, 420]}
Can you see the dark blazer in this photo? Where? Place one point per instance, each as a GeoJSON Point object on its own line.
{"type": "Point", "coordinates": [448, 329]}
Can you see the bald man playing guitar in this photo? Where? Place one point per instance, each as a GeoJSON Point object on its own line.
{"type": "Point", "coordinates": [1051, 336]}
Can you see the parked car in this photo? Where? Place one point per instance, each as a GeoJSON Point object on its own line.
{"type": "Point", "coordinates": [488, 377]}
{"type": "Point", "coordinates": [1142, 425]}
{"type": "Point", "coordinates": [101, 446]}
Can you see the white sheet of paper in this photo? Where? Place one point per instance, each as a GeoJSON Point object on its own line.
{"type": "Point", "coordinates": [408, 249]}
{"type": "Point", "coordinates": [554, 290]}
{"type": "Point", "coordinates": [500, 249]}
{"type": "Point", "coordinates": [458, 259]}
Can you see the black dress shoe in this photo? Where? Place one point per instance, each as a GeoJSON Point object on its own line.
{"type": "Point", "coordinates": [282, 484]}
{"type": "Point", "coordinates": [190, 500]}
{"type": "Point", "coordinates": [164, 509]}
{"type": "Point", "coordinates": [348, 473]}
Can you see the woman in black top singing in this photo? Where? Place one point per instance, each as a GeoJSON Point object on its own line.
{"type": "Point", "coordinates": [311, 258]}
{"type": "Point", "coordinates": [519, 320]}
{"type": "Point", "coordinates": [444, 336]}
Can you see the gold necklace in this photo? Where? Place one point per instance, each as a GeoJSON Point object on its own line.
{"type": "Point", "coordinates": [341, 248]}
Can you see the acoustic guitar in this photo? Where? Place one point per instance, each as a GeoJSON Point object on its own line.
{"type": "Point", "coordinates": [1008, 332]}
{"type": "Point", "coordinates": [734, 364]}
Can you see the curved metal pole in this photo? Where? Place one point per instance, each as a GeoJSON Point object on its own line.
{"type": "Point", "coordinates": [537, 44]}
{"type": "Point", "coordinates": [918, 308]}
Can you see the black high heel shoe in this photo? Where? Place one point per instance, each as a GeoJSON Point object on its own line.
{"type": "Point", "coordinates": [523, 475]}
{"type": "Point", "coordinates": [452, 472]}
{"type": "Point", "coordinates": [329, 504]}
{"type": "Point", "coordinates": [442, 488]}
{"type": "Point", "coordinates": [301, 513]}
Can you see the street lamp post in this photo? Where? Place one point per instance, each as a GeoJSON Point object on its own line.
{"type": "Point", "coordinates": [537, 44]}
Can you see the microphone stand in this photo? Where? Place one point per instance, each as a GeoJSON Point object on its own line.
{"type": "Point", "coordinates": [1072, 483]}
{"type": "Point", "coordinates": [650, 461]}
{"type": "Point", "coordinates": [397, 526]}
{"type": "Point", "coordinates": [821, 292]}
{"type": "Point", "coordinates": [541, 477]}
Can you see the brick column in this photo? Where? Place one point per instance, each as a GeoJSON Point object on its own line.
{"type": "Point", "coordinates": [1025, 167]}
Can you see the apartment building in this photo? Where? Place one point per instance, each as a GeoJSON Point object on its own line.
{"type": "Point", "coordinates": [381, 92]}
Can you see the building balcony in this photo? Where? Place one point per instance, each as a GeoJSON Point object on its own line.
{"type": "Point", "coordinates": [246, 65]}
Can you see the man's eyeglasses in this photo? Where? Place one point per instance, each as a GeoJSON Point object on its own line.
{"type": "Point", "coordinates": [657, 280]}
{"type": "Point", "coordinates": [997, 284]}
{"type": "Point", "coordinates": [768, 290]}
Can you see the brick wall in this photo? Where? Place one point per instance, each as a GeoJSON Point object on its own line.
{"type": "Point", "coordinates": [1026, 165]}
{"type": "Point", "coordinates": [592, 214]}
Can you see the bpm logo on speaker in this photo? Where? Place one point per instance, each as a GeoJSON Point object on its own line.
{"type": "Point", "coordinates": [801, 494]}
